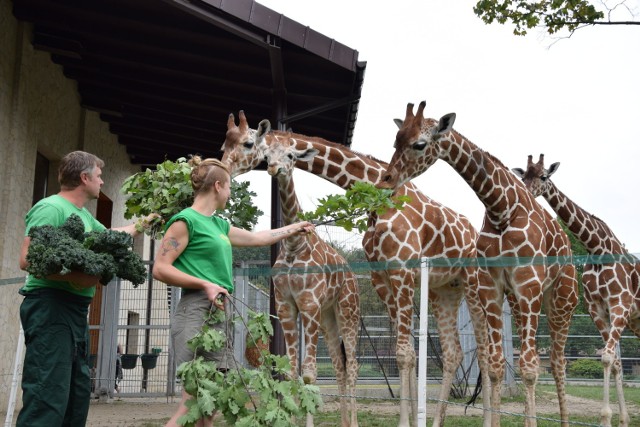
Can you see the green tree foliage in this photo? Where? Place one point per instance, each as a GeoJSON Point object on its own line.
{"type": "Point", "coordinates": [60, 250]}
{"type": "Point", "coordinates": [250, 253]}
{"type": "Point", "coordinates": [554, 15]}
{"type": "Point", "coordinates": [167, 190]}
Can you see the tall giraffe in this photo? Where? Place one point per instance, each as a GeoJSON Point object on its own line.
{"type": "Point", "coordinates": [611, 290]}
{"type": "Point", "coordinates": [327, 299]}
{"type": "Point", "coordinates": [424, 228]}
{"type": "Point", "coordinates": [515, 225]}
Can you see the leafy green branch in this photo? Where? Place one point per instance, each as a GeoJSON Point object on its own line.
{"type": "Point", "coordinates": [166, 190]}
{"type": "Point", "coordinates": [555, 15]}
{"type": "Point", "coordinates": [244, 397]}
{"type": "Point", "coordinates": [353, 209]}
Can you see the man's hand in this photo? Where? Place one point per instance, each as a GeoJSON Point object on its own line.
{"type": "Point", "coordinates": [78, 279]}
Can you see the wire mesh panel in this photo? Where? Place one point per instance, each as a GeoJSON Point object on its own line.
{"type": "Point", "coordinates": [143, 322]}
{"type": "Point", "coordinates": [139, 348]}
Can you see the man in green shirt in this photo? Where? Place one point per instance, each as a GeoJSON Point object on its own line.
{"type": "Point", "coordinates": [55, 382]}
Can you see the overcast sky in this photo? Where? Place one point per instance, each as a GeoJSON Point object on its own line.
{"type": "Point", "coordinates": [576, 100]}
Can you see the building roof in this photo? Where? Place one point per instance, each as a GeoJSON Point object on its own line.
{"type": "Point", "coordinates": [166, 74]}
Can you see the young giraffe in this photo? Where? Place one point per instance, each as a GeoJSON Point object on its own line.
{"type": "Point", "coordinates": [611, 290]}
{"type": "Point", "coordinates": [327, 299]}
{"type": "Point", "coordinates": [422, 228]}
{"type": "Point", "coordinates": [515, 225]}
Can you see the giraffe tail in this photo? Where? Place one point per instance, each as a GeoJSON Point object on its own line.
{"type": "Point", "coordinates": [476, 392]}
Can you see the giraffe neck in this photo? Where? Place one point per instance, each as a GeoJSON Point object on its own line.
{"type": "Point", "coordinates": [290, 207]}
{"type": "Point", "coordinates": [594, 234]}
{"type": "Point", "coordinates": [336, 163]}
{"type": "Point", "coordinates": [498, 190]}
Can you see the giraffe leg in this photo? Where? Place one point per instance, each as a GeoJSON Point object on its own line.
{"type": "Point", "coordinates": [605, 412]}
{"type": "Point", "coordinates": [527, 300]}
{"type": "Point", "coordinates": [601, 320]}
{"type": "Point", "coordinates": [405, 353]}
{"type": "Point", "coordinates": [406, 357]}
{"type": "Point", "coordinates": [622, 404]}
{"type": "Point", "coordinates": [329, 326]}
{"type": "Point", "coordinates": [348, 314]}
{"type": "Point", "coordinates": [612, 362]}
{"type": "Point", "coordinates": [561, 308]}
{"type": "Point", "coordinates": [492, 296]}
{"type": "Point", "coordinates": [310, 315]}
{"type": "Point", "coordinates": [345, 317]}
{"type": "Point", "coordinates": [288, 315]}
{"type": "Point", "coordinates": [444, 303]}
{"type": "Point", "coordinates": [311, 326]}
{"type": "Point", "coordinates": [479, 321]}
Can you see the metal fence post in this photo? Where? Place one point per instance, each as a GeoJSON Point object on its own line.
{"type": "Point", "coordinates": [423, 340]}
{"type": "Point", "coordinates": [108, 341]}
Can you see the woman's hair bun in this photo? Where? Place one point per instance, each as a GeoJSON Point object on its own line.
{"type": "Point", "coordinates": [195, 160]}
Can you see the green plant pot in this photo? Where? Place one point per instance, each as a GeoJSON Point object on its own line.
{"type": "Point", "coordinates": [149, 360]}
{"type": "Point", "coordinates": [129, 361]}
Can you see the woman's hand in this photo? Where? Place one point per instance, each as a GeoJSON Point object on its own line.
{"type": "Point", "coordinates": [305, 227]}
{"type": "Point", "coordinates": [216, 294]}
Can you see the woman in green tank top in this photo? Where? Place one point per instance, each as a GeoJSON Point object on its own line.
{"type": "Point", "coordinates": [195, 255]}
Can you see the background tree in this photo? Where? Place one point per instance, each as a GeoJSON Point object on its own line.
{"type": "Point", "coordinates": [250, 253]}
{"type": "Point", "coordinates": [166, 190]}
{"type": "Point", "coordinates": [554, 15]}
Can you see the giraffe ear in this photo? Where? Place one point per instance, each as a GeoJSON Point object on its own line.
{"type": "Point", "coordinates": [446, 123]}
{"type": "Point", "coordinates": [306, 155]}
{"type": "Point", "coordinates": [518, 171]}
{"type": "Point", "coordinates": [398, 123]}
{"type": "Point", "coordinates": [553, 168]}
{"type": "Point", "coordinates": [264, 127]}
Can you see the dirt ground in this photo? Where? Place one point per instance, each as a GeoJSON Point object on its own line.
{"type": "Point", "coordinates": [131, 412]}
{"type": "Point", "coordinates": [146, 412]}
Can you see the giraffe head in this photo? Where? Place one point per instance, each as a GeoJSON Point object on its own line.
{"type": "Point", "coordinates": [241, 146]}
{"type": "Point", "coordinates": [417, 146]}
{"type": "Point", "coordinates": [281, 155]}
{"type": "Point", "coordinates": [536, 177]}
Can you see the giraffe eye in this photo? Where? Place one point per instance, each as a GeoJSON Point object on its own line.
{"type": "Point", "coordinates": [248, 145]}
{"type": "Point", "coordinates": [290, 156]}
{"type": "Point", "coordinates": [420, 145]}
{"type": "Point", "coordinates": [544, 178]}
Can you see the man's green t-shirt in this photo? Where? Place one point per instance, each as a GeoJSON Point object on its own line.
{"type": "Point", "coordinates": [208, 255]}
{"type": "Point", "coordinates": [54, 210]}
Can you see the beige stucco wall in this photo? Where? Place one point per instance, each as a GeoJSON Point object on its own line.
{"type": "Point", "coordinates": [39, 112]}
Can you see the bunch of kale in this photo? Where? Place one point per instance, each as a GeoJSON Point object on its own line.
{"type": "Point", "coordinates": [59, 250]}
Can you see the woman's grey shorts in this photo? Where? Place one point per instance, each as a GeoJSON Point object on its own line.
{"type": "Point", "coordinates": [187, 322]}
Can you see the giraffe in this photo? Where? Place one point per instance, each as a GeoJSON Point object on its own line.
{"type": "Point", "coordinates": [611, 290]}
{"type": "Point", "coordinates": [327, 299]}
{"type": "Point", "coordinates": [422, 228]}
{"type": "Point", "coordinates": [515, 225]}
